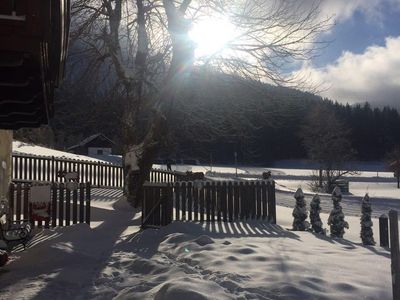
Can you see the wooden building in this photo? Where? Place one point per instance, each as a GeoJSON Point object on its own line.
{"type": "Point", "coordinates": [33, 47]}
{"type": "Point", "coordinates": [97, 144]}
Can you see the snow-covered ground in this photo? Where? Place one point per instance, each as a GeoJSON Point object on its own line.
{"type": "Point", "coordinates": [251, 260]}
{"type": "Point", "coordinates": [186, 260]}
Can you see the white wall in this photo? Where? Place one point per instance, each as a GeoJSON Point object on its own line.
{"type": "Point", "coordinates": [93, 151]}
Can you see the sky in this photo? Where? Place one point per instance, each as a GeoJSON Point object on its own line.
{"type": "Point", "coordinates": [362, 60]}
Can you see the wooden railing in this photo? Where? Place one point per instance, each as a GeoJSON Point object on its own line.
{"type": "Point", "coordinates": [67, 206]}
{"type": "Point", "coordinates": [208, 201]}
{"type": "Point", "coordinates": [31, 168]}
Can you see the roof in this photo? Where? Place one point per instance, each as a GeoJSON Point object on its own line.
{"type": "Point", "coordinates": [89, 139]}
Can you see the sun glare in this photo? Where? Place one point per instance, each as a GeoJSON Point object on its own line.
{"type": "Point", "coordinates": [211, 36]}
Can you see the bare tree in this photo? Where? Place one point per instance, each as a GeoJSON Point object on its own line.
{"type": "Point", "coordinates": [393, 161]}
{"type": "Point", "coordinates": [146, 49]}
{"type": "Point", "coordinates": [327, 142]}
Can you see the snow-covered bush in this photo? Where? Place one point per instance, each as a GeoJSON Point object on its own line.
{"type": "Point", "coordinates": [300, 212]}
{"type": "Point", "coordinates": [315, 209]}
{"type": "Point", "coordinates": [336, 217]}
{"type": "Point", "coordinates": [367, 236]}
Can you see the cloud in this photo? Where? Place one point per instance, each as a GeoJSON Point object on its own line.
{"type": "Point", "coordinates": [342, 10]}
{"type": "Point", "coordinates": [372, 76]}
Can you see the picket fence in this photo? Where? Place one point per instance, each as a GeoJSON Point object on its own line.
{"type": "Point", "coordinates": [208, 201]}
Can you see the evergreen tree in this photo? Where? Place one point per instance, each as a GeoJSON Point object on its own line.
{"type": "Point", "coordinates": [336, 217]}
{"type": "Point", "coordinates": [315, 219]}
{"type": "Point", "coordinates": [367, 235]}
{"type": "Point", "coordinates": [300, 212]}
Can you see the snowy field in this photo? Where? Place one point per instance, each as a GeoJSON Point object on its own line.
{"type": "Point", "coordinates": [114, 259]}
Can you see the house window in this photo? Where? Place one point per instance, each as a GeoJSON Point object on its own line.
{"type": "Point", "coordinates": [99, 151]}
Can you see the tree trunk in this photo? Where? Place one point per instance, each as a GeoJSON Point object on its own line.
{"type": "Point", "coordinates": [138, 160]}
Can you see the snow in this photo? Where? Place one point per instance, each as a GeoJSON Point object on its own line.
{"type": "Point", "coordinates": [25, 148]}
{"type": "Point", "coordinates": [188, 260]}
{"type": "Point", "coordinates": [113, 258]}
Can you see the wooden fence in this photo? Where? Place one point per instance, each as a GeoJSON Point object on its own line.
{"type": "Point", "coordinates": [28, 168]}
{"type": "Point", "coordinates": [67, 206]}
{"type": "Point", "coordinates": [208, 201]}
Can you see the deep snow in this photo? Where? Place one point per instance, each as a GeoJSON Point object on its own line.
{"type": "Point", "coordinates": [185, 260]}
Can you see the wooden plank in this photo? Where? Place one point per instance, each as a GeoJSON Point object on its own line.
{"type": "Point", "coordinates": [18, 203]}
{"type": "Point", "coordinates": [61, 204]}
{"type": "Point", "coordinates": [26, 202]}
{"type": "Point", "coordinates": [157, 203]}
{"type": "Point", "coordinates": [189, 200]}
{"type": "Point", "coordinates": [15, 167]}
{"type": "Point", "coordinates": [53, 205]}
{"type": "Point", "coordinates": [258, 200]}
{"type": "Point", "coordinates": [264, 200]}
{"type": "Point", "coordinates": [201, 203]}
{"type": "Point", "coordinates": [75, 206]}
{"type": "Point", "coordinates": [30, 176]}
{"type": "Point", "coordinates": [168, 204]}
{"type": "Point", "coordinates": [395, 253]}
{"type": "Point", "coordinates": [230, 201]}
{"type": "Point", "coordinates": [25, 168]}
{"type": "Point", "coordinates": [236, 201]}
{"type": "Point", "coordinates": [218, 201]}
{"type": "Point", "coordinates": [384, 231]}
{"type": "Point", "coordinates": [196, 203]}
{"type": "Point", "coordinates": [177, 189]}
{"type": "Point", "coordinates": [273, 205]}
{"type": "Point", "coordinates": [88, 199]}
{"type": "Point", "coordinates": [242, 200]}
{"type": "Point", "coordinates": [224, 206]}
{"type": "Point", "coordinates": [81, 202]}
{"type": "Point", "coordinates": [271, 202]}
{"type": "Point", "coordinates": [213, 200]}
{"type": "Point", "coordinates": [48, 172]}
{"type": "Point", "coordinates": [67, 207]}
{"type": "Point", "coordinates": [208, 201]}
{"type": "Point", "coordinates": [252, 198]}
{"type": "Point", "coordinates": [21, 164]}
{"type": "Point", "coordinates": [35, 168]}
{"type": "Point", "coordinates": [184, 200]}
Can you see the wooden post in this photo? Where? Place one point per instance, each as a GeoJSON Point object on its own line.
{"type": "Point", "coordinates": [54, 205]}
{"type": "Point", "coordinates": [87, 213]}
{"type": "Point", "coordinates": [61, 205]}
{"type": "Point", "coordinates": [67, 205]}
{"type": "Point", "coordinates": [384, 231]}
{"type": "Point", "coordinates": [81, 202]}
{"type": "Point", "coordinates": [394, 251]}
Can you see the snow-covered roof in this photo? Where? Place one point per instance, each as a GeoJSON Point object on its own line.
{"type": "Point", "coordinates": [89, 139]}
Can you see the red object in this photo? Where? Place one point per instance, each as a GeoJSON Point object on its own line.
{"type": "Point", "coordinates": [40, 211]}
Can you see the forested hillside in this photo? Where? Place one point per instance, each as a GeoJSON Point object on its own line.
{"type": "Point", "coordinates": [218, 115]}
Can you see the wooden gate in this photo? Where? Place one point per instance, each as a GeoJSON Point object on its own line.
{"type": "Point", "coordinates": [68, 206]}
{"type": "Point", "coordinates": [208, 201]}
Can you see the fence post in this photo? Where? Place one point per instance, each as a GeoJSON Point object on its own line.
{"type": "Point", "coordinates": [384, 231]}
{"type": "Point", "coordinates": [394, 251]}
{"type": "Point", "coordinates": [87, 214]}
{"type": "Point", "coordinates": [53, 171]}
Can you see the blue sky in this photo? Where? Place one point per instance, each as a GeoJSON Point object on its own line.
{"type": "Point", "coordinates": [362, 63]}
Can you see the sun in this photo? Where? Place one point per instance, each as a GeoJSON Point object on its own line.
{"type": "Point", "coordinates": [211, 36]}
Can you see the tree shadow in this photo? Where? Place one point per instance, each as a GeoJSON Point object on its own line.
{"type": "Point", "coordinates": [352, 245]}
{"type": "Point", "coordinates": [77, 257]}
